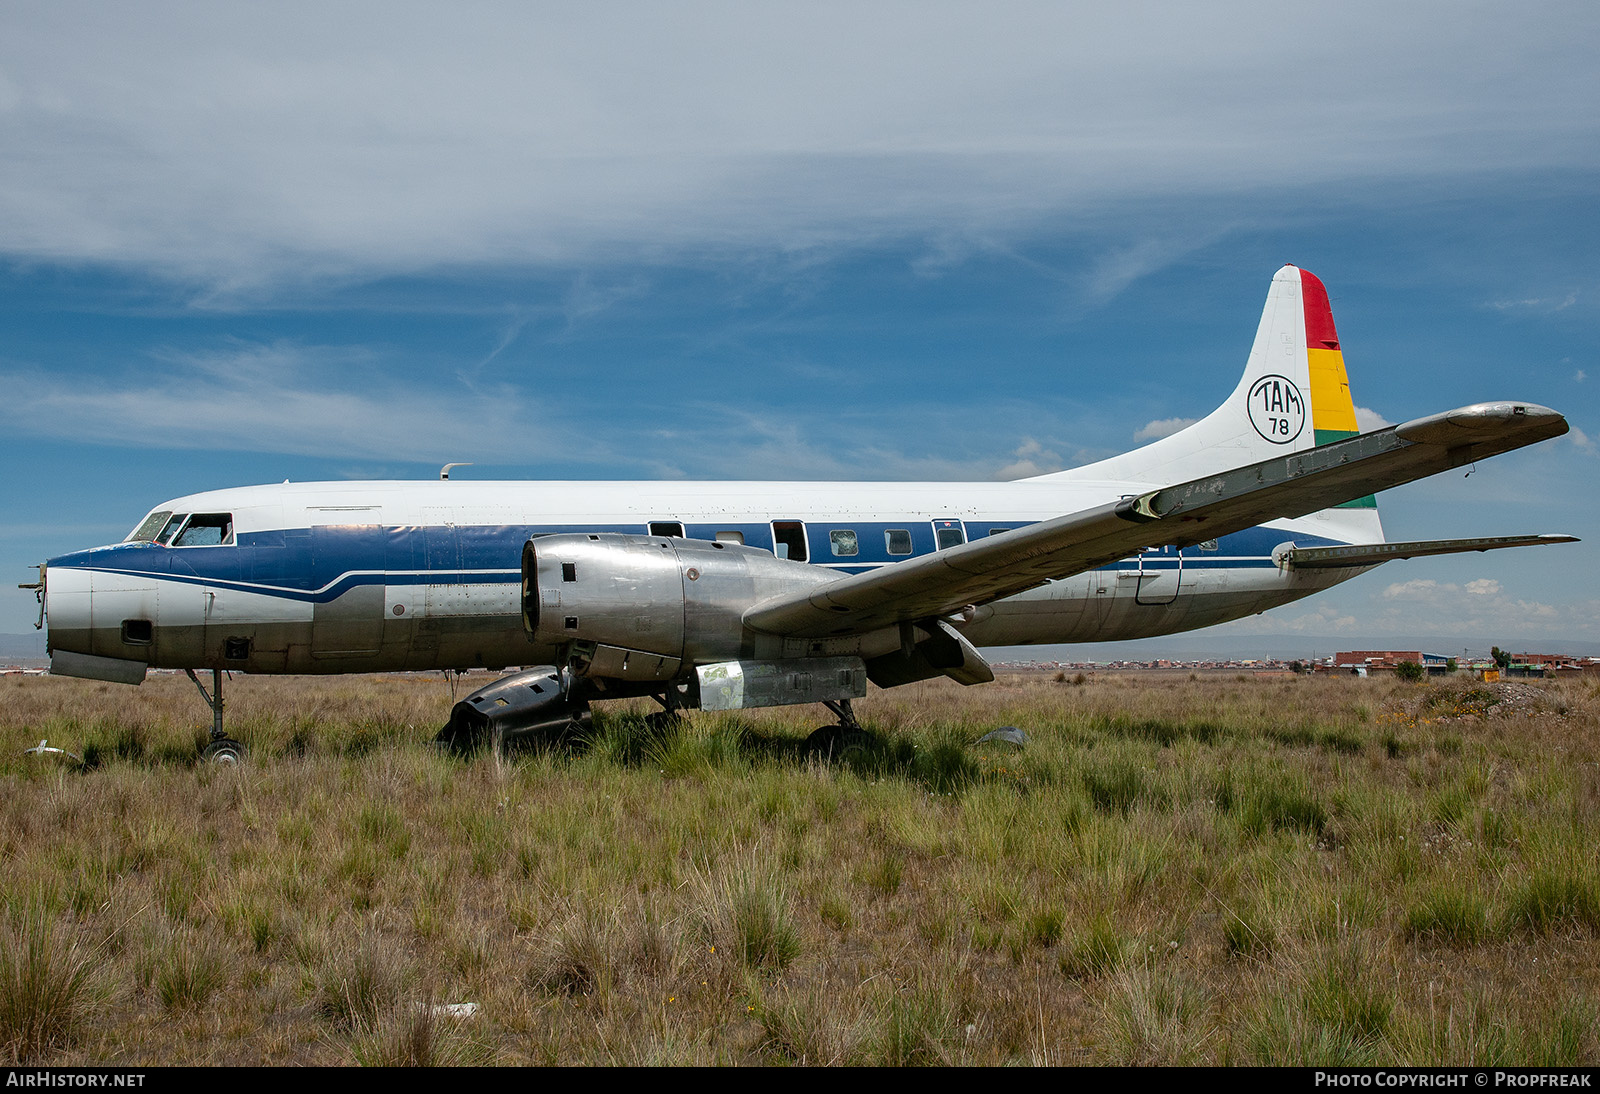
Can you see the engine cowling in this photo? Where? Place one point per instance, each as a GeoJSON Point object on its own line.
{"type": "Point", "coordinates": [632, 607]}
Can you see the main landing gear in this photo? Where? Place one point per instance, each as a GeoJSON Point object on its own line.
{"type": "Point", "coordinates": [220, 749]}
{"type": "Point", "coordinates": [842, 740]}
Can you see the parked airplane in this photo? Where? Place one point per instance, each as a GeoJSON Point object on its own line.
{"type": "Point", "coordinates": [726, 595]}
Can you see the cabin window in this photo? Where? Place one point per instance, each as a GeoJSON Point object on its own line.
{"type": "Point", "coordinates": [948, 533]}
{"type": "Point", "coordinates": [149, 527]}
{"type": "Point", "coordinates": [998, 531]}
{"type": "Point", "coordinates": [171, 529]}
{"type": "Point", "coordinates": [670, 529]}
{"type": "Point", "coordinates": [843, 541]}
{"type": "Point", "coordinates": [138, 632]}
{"type": "Point", "coordinates": [898, 541]}
{"type": "Point", "coordinates": [789, 540]}
{"type": "Point", "coordinates": [730, 537]}
{"type": "Point", "coordinates": [206, 530]}
{"type": "Point", "coordinates": [1208, 545]}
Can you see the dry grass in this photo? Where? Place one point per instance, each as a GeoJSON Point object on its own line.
{"type": "Point", "coordinates": [1174, 870]}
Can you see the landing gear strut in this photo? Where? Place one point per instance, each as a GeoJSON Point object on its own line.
{"type": "Point", "coordinates": [220, 749]}
{"type": "Point", "coordinates": [673, 705]}
{"type": "Point", "coordinates": [842, 710]}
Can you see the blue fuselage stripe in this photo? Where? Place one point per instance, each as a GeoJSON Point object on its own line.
{"type": "Point", "coordinates": [319, 564]}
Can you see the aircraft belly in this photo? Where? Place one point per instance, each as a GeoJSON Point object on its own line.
{"type": "Point", "coordinates": [453, 625]}
{"type": "Point", "coordinates": [1102, 606]}
{"type": "Point", "coordinates": [273, 625]}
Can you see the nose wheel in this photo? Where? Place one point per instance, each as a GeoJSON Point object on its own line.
{"type": "Point", "coordinates": [224, 751]}
{"type": "Point", "coordinates": [220, 749]}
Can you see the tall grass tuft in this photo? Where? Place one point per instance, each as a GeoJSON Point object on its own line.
{"type": "Point", "coordinates": [190, 973]}
{"type": "Point", "coordinates": [1263, 802]}
{"type": "Point", "coordinates": [915, 1030]}
{"type": "Point", "coordinates": [1344, 995]}
{"type": "Point", "coordinates": [47, 989]}
{"type": "Point", "coordinates": [804, 1030]}
{"type": "Point", "coordinates": [1249, 934]}
{"type": "Point", "coordinates": [1098, 949]}
{"type": "Point", "coordinates": [1157, 1017]}
{"type": "Point", "coordinates": [762, 926]}
{"type": "Point", "coordinates": [1452, 915]}
{"type": "Point", "coordinates": [1114, 786]}
{"type": "Point", "coordinates": [417, 1035]}
{"type": "Point", "coordinates": [1551, 900]}
{"type": "Point", "coordinates": [362, 983]}
{"type": "Point", "coordinates": [575, 959]}
{"type": "Point", "coordinates": [944, 768]}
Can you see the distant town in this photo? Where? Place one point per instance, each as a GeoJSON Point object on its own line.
{"type": "Point", "coordinates": [1353, 662]}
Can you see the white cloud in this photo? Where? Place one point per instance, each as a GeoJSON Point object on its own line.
{"type": "Point", "coordinates": [1321, 621]}
{"type": "Point", "coordinates": [1440, 592]}
{"type": "Point", "coordinates": [1368, 420]}
{"type": "Point", "coordinates": [1579, 376]}
{"type": "Point", "coordinates": [1162, 427]}
{"type": "Point", "coordinates": [1420, 589]}
{"type": "Point", "coordinates": [1477, 607]}
{"type": "Point", "coordinates": [338, 402]}
{"type": "Point", "coordinates": [1581, 439]}
{"type": "Point", "coordinates": [1031, 459]}
{"type": "Point", "coordinates": [1538, 303]}
{"type": "Point", "coordinates": [237, 145]}
{"type": "Point", "coordinates": [286, 398]}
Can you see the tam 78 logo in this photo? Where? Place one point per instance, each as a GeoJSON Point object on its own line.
{"type": "Point", "coordinates": [1277, 409]}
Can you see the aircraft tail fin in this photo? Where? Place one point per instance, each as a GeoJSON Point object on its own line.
{"type": "Point", "coordinates": [1294, 395]}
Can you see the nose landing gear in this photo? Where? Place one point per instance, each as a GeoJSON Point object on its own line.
{"type": "Point", "coordinates": [220, 749]}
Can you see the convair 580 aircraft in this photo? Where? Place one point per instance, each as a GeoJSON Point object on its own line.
{"type": "Point", "coordinates": [742, 594]}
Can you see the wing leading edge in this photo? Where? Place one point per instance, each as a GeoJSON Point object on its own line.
{"type": "Point", "coordinates": [975, 573]}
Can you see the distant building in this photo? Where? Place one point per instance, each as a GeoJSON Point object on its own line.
{"type": "Point", "coordinates": [1386, 660]}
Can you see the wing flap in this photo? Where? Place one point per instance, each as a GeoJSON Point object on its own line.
{"type": "Point", "coordinates": [974, 573]}
{"type": "Point", "coordinates": [1370, 554]}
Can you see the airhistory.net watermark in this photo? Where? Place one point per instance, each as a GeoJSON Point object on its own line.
{"type": "Point", "coordinates": [52, 1077]}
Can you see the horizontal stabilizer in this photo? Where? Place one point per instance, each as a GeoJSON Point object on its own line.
{"type": "Point", "coordinates": [1370, 554]}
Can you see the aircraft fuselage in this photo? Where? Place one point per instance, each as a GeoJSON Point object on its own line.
{"type": "Point", "coordinates": [384, 576]}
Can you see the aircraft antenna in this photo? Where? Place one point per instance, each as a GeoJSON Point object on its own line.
{"type": "Point", "coordinates": [444, 472]}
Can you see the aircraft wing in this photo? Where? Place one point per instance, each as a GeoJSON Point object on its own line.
{"type": "Point", "coordinates": [948, 581]}
{"type": "Point", "coordinates": [1370, 554]}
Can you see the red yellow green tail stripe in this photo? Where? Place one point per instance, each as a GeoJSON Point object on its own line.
{"type": "Point", "coordinates": [1333, 412]}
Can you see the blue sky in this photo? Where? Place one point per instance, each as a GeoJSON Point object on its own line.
{"type": "Point", "coordinates": [902, 241]}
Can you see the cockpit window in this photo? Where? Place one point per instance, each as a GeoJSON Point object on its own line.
{"type": "Point", "coordinates": [171, 529]}
{"type": "Point", "coordinates": [148, 528]}
{"type": "Point", "coordinates": [206, 530]}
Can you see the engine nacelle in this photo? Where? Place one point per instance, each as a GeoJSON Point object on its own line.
{"type": "Point", "coordinates": [633, 607]}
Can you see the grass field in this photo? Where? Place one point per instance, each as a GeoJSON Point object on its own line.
{"type": "Point", "coordinates": [1174, 870]}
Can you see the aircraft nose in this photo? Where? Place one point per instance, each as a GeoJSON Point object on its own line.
{"type": "Point", "coordinates": [89, 628]}
{"type": "Point", "coordinates": [68, 605]}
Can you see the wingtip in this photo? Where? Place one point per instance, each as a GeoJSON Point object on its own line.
{"type": "Point", "coordinates": [1480, 421]}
